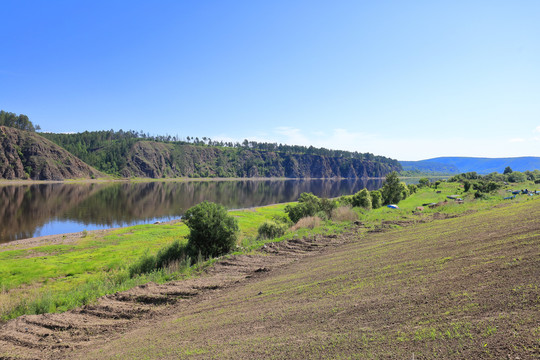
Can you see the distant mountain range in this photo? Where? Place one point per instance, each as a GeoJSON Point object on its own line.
{"type": "Point", "coordinates": [457, 165]}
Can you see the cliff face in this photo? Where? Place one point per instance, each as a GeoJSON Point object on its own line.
{"type": "Point", "coordinates": [156, 160]}
{"type": "Point", "coordinates": [28, 155]}
{"type": "Point", "coordinates": [25, 155]}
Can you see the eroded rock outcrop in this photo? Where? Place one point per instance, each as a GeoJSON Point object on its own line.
{"type": "Point", "coordinates": [26, 155]}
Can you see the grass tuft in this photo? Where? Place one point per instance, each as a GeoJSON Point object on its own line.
{"type": "Point", "coordinates": [309, 222]}
{"type": "Point", "coordinates": [344, 213]}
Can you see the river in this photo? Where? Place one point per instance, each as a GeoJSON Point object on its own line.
{"type": "Point", "coordinates": [47, 209]}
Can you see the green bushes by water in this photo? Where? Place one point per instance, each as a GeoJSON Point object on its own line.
{"type": "Point", "coordinates": [213, 232]}
{"type": "Point", "coordinates": [271, 230]}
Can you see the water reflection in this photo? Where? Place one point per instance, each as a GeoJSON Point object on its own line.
{"type": "Point", "coordinates": [45, 209]}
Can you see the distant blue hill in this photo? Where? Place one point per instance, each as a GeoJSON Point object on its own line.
{"type": "Point", "coordinates": [429, 167]}
{"type": "Point", "coordinates": [456, 165]}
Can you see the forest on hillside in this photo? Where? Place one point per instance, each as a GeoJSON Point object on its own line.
{"type": "Point", "coordinates": [108, 150]}
{"type": "Point", "coordinates": [139, 154]}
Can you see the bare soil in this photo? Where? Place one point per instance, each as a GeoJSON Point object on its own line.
{"type": "Point", "coordinates": [456, 288]}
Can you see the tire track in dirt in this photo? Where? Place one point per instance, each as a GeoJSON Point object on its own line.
{"type": "Point", "coordinates": [55, 336]}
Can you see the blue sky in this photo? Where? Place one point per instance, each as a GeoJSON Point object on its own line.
{"type": "Point", "coordinates": [405, 79]}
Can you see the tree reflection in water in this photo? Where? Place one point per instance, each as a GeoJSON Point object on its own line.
{"type": "Point", "coordinates": [45, 209]}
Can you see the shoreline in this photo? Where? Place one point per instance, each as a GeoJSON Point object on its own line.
{"type": "Point", "coordinates": [67, 238]}
{"type": "Point", "coordinates": [182, 179]}
{"type": "Point", "coordinates": [57, 239]}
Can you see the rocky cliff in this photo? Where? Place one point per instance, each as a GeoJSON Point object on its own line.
{"type": "Point", "coordinates": [157, 160]}
{"type": "Point", "coordinates": [26, 155]}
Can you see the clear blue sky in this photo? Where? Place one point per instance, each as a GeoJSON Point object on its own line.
{"type": "Point", "coordinates": [405, 79]}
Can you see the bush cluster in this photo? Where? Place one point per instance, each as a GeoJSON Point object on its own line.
{"type": "Point", "coordinates": [392, 192]}
{"type": "Point", "coordinates": [213, 232]}
{"type": "Point", "coordinates": [507, 176]}
{"type": "Point", "coordinates": [310, 205]}
{"type": "Point", "coordinates": [362, 199]}
{"type": "Point", "coordinates": [271, 230]}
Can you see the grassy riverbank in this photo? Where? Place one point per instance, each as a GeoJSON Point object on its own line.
{"type": "Point", "coordinates": [50, 278]}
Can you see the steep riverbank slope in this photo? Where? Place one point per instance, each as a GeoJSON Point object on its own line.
{"type": "Point", "coordinates": [25, 154]}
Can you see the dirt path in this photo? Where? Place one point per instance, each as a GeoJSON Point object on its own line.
{"type": "Point", "coordinates": [53, 336]}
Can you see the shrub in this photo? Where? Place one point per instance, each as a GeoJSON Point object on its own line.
{"type": "Point", "coordinates": [166, 256]}
{"type": "Point", "coordinates": [479, 195]}
{"type": "Point", "coordinates": [404, 190]}
{"type": "Point", "coordinates": [376, 199]}
{"type": "Point", "coordinates": [486, 186]}
{"type": "Point", "coordinates": [309, 222]}
{"type": "Point", "coordinates": [271, 230]}
{"type": "Point", "coordinates": [516, 176]}
{"type": "Point", "coordinates": [495, 176]}
{"type": "Point", "coordinates": [308, 205]}
{"type": "Point", "coordinates": [327, 206]}
{"type": "Point", "coordinates": [531, 176]}
{"type": "Point", "coordinates": [423, 182]}
{"type": "Point", "coordinates": [362, 199]}
{"type": "Point", "coordinates": [145, 264]}
{"type": "Point", "coordinates": [345, 200]}
{"type": "Point", "coordinates": [213, 232]}
{"type": "Point", "coordinates": [170, 254]}
{"type": "Point", "coordinates": [282, 219]}
{"type": "Point", "coordinates": [298, 211]}
{"type": "Point", "coordinates": [322, 215]}
{"type": "Point", "coordinates": [310, 200]}
{"type": "Point", "coordinates": [391, 190]}
{"type": "Point", "coordinates": [344, 213]}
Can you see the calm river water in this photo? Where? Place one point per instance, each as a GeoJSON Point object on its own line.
{"type": "Point", "coordinates": [45, 209]}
